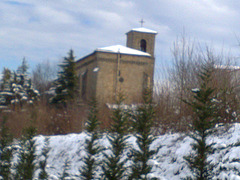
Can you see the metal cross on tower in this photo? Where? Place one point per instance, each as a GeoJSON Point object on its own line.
{"type": "Point", "coordinates": [142, 22]}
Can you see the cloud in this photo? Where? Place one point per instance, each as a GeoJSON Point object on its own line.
{"type": "Point", "coordinates": [50, 15]}
{"type": "Point", "coordinates": [47, 29]}
{"type": "Point", "coordinates": [16, 3]}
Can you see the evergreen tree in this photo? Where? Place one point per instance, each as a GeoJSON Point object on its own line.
{"type": "Point", "coordinates": [142, 123]}
{"type": "Point", "coordinates": [23, 68]}
{"type": "Point", "coordinates": [22, 90]}
{"type": "Point", "coordinates": [6, 94]}
{"type": "Point", "coordinates": [16, 88]}
{"type": "Point", "coordinates": [5, 78]}
{"type": "Point", "coordinates": [66, 167]}
{"type": "Point", "coordinates": [114, 166]}
{"type": "Point", "coordinates": [204, 121]}
{"type": "Point", "coordinates": [21, 76]}
{"type": "Point", "coordinates": [43, 175]}
{"type": "Point", "coordinates": [92, 124]}
{"type": "Point", "coordinates": [88, 170]}
{"type": "Point", "coordinates": [66, 84]}
{"type": "Point", "coordinates": [5, 151]}
{"type": "Point", "coordinates": [26, 166]}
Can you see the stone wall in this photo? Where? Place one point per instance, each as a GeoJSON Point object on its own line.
{"type": "Point", "coordinates": [122, 74]}
{"type": "Point", "coordinates": [134, 38]}
{"type": "Point", "coordinates": [86, 67]}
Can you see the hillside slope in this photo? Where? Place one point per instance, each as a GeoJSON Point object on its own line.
{"type": "Point", "coordinates": [169, 163]}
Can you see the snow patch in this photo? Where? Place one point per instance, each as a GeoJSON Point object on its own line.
{"type": "Point", "coordinates": [122, 50]}
{"type": "Point", "coordinates": [168, 163]}
{"type": "Point", "coordinates": [144, 30]}
{"type": "Point", "coordinates": [195, 90]}
{"type": "Point", "coordinates": [96, 69]}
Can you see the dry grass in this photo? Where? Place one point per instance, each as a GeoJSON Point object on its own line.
{"type": "Point", "coordinates": [47, 119]}
{"type": "Point", "coordinates": [172, 115]}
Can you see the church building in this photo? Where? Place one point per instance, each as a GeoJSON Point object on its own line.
{"type": "Point", "coordinates": [111, 70]}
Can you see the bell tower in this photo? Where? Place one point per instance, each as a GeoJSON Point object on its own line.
{"type": "Point", "coordinates": [142, 39]}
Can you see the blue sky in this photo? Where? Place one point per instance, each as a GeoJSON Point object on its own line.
{"type": "Point", "coordinates": [42, 30]}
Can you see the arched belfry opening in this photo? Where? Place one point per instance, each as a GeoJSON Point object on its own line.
{"type": "Point", "coordinates": [142, 39]}
{"type": "Point", "coordinates": [143, 45]}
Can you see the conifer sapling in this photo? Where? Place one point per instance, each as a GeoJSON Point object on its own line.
{"type": "Point", "coordinates": [66, 167]}
{"type": "Point", "coordinates": [143, 121]}
{"type": "Point", "coordinates": [114, 164]}
{"type": "Point", "coordinates": [26, 165]}
{"type": "Point", "coordinates": [43, 175]}
{"type": "Point", "coordinates": [88, 170]}
{"type": "Point", "coordinates": [202, 127]}
{"type": "Point", "coordinates": [5, 151]}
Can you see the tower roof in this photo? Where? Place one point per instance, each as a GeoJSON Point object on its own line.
{"type": "Point", "coordinates": [123, 50]}
{"type": "Point", "coordinates": [144, 30]}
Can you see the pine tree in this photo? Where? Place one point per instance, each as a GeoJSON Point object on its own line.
{"type": "Point", "coordinates": [5, 78]}
{"type": "Point", "coordinates": [114, 166]}
{"type": "Point", "coordinates": [92, 124]}
{"type": "Point", "coordinates": [6, 94]}
{"type": "Point", "coordinates": [22, 90]}
{"type": "Point", "coordinates": [26, 166]}
{"type": "Point", "coordinates": [204, 121]}
{"type": "Point", "coordinates": [43, 175]}
{"type": "Point", "coordinates": [23, 68]}
{"type": "Point", "coordinates": [66, 85]}
{"type": "Point", "coordinates": [16, 88]}
{"type": "Point", "coordinates": [88, 170]}
{"type": "Point", "coordinates": [5, 151]}
{"type": "Point", "coordinates": [143, 121]}
{"type": "Point", "coordinates": [66, 167]}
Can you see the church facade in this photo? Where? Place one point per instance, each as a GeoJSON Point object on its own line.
{"type": "Point", "coordinates": [116, 69]}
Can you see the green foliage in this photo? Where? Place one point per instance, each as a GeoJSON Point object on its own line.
{"type": "Point", "coordinates": [88, 170]}
{"type": "Point", "coordinates": [114, 166]}
{"type": "Point", "coordinates": [204, 121]}
{"type": "Point", "coordinates": [5, 151]}
{"type": "Point", "coordinates": [16, 88]}
{"type": "Point", "coordinates": [23, 68]}
{"type": "Point", "coordinates": [26, 165]}
{"type": "Point", "coordinates": [66, 84]}
{"type": "Point", "coordinates": [119, 118]}
{"type": "Point", "coordinates": [143, 121]}
{"type": "Point", "coordinates": [66, 167]}
{"type": "Point", "coordinates": [92, 123]}
{"type": "Point", "coordinates": [5, 79]}
{"type": "Point", "coordinates": [43, 175]}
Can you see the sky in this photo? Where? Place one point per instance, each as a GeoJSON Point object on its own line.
{"type": "Point", "coordinates": [45, 30]}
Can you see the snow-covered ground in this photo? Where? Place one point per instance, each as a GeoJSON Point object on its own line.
{"type": "Point", "coordinates": [168, 162]}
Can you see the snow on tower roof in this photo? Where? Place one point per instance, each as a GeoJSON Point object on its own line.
{"type": "Point", "coordinates": [123, 50]}
{"type": "Point", "coordinates": [144, 30]}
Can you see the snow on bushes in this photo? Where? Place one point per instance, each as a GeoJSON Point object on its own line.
{"type": "Point", "coordinates": [168, 162]}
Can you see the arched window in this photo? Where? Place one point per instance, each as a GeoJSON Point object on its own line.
{"type": "Point", "coordinates": [143, 45]}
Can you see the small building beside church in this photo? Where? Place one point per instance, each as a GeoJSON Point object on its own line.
{"type": "Point", "coordinates": [111, 70]}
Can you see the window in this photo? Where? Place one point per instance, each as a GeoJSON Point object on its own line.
{"type": "Point", "coordinates": [143, 45]}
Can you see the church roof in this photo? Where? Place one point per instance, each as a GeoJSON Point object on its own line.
{"type": "Point", "coordinates": [144, 30]}
{"type": "Point", "coordinates": [123, 50]}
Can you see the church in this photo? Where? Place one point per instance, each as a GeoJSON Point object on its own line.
{"type": "Point", "coordinates": [111, 70]}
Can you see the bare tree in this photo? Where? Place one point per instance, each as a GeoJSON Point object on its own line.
{"type": "Point", "coordinates": [43, 75]}
{"type": "Point", "coordinates": [183, 73]}
{"type": "Point", "coordinates": [188, 58]}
